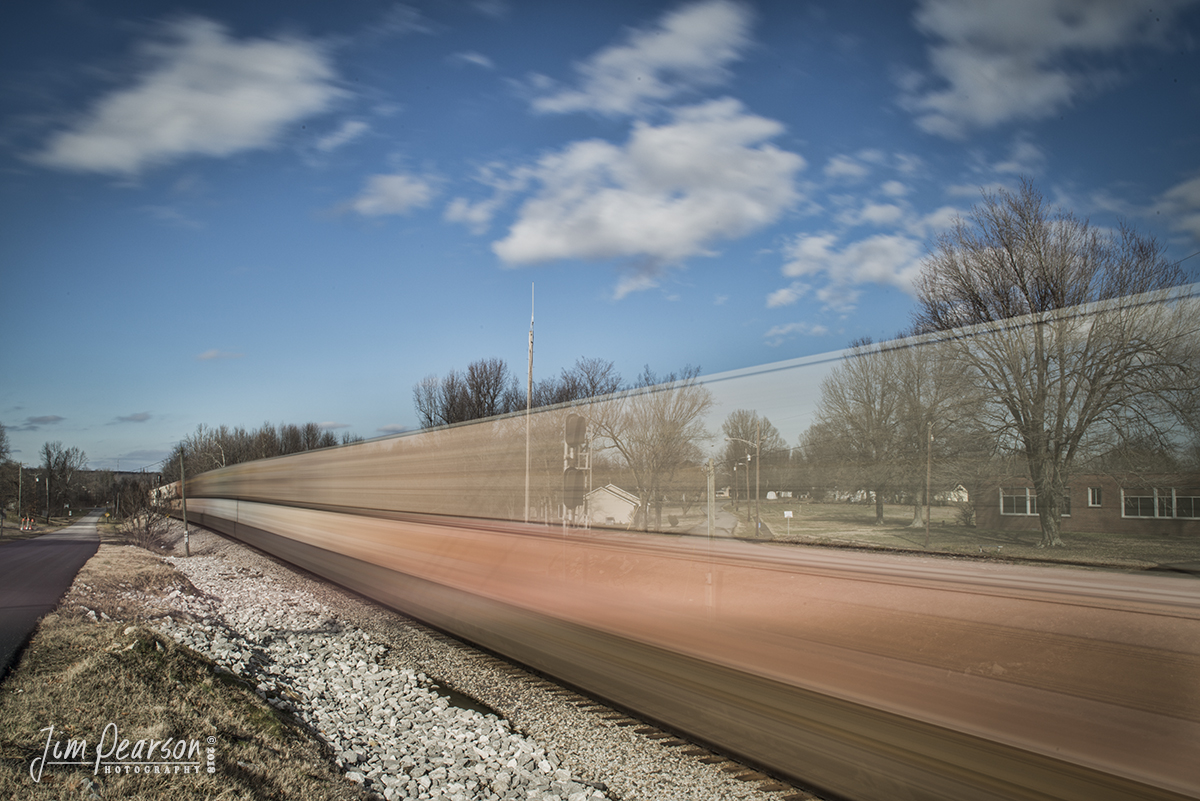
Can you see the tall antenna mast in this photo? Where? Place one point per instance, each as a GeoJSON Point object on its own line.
{"type": "Point", "coordinates": [528, 401]}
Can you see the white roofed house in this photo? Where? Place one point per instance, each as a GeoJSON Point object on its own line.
{"type": "Point", "coordinates": [610, 506]}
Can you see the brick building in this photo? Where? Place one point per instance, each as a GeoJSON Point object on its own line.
{"type": "Point", "coordinates": [1163, 504]}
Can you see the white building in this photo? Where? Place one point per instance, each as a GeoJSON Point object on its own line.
{"type": "Point", "coordinates": [610, 506]}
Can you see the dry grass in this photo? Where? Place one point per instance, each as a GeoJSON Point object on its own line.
{"type": "Point", "coordinates": [12, 528]}
{"type": "Point", "coordinates": [79, 675]}
{"type": "Point", "coordinates": [853, 525]}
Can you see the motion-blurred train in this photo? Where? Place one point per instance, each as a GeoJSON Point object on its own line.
{"type": "Point", "coordinates": [864, 676]}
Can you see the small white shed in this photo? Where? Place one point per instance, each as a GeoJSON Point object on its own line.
{"type": "Point", "coordinates": [611, 506]}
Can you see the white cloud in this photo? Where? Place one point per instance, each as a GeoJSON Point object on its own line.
{"type": "Point", "coordinates": [394, 428]}
{"type": "Point", "coordinates": [348, 132]}
{"type": "Point", "coordinates": [787, 295]}
{"type": "Point", "coordinates": [1181, 204]}
{"type": "Point", "coordinates": [496, 9]}
{"type": "Point", "coordinates": [206, 94]}
{"type": "Point", "coordinates": [214, 354]}
{"type": "Point", "coordinates": [476, 216]}
{"type": "Point", "coordinates": [779, 334]}
{"type": "Point", "coordinates": [887, 259]}
{"type": "Point", "coordinates": [670, 191]}
{"type": "Point", "coordinates": [636, 282]}
{"type": "Point", "coordinates": [808, 254]}
{"type": "Point", "coordinates": [997, 62]}
{"type": "Point", "coordinates": [908, 164]}
{"type": "Point", "coordinates": [881, 213]}
{"type": "Point", "coordinates": [935, 222]}
{"type": "Point", "coordinates": [1024, 158]}
{"type": "Point", "coordinates": [845, 167]}
{"type": "Point", "coordinates": [690, 47]}
{"type": "Point", "coordinates": [401, 20]}
{"type": "Point", "coordinates": [894, 188]}
{"type": "Point", "coordinates": [330, 426]}
{"type": "Point", "coordinates": [392, 194]}
{"type": "Point", "coordinates": [478, 59]}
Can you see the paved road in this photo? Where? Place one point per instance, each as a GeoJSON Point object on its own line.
{"type": "Point", "coordinates": [34, 574]}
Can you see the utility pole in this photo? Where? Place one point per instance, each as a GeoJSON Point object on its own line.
{"type": "Point", "coordinates": [712, 500]}
{"type": "Point", "coordinates": [736, 492]}
{"type": "Point", "coordinates": [757, 467]}
{"type": "Point", "coordinates": [928, 478]}
{"type": "Point", "coordinates": [187, 545]}
{"type": "Point", "coordinates": [528, 400]}
{"type": "Point", "coordinates": [747, 489]}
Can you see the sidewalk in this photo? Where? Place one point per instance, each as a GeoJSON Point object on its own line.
{"type": "Point", "coordinates": [724, 525]}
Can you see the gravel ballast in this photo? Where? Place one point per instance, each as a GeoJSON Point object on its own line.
{"type": "Point", "coordinates": [368, 681]}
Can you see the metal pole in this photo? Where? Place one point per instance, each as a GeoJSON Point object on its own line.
{"type": "Point", "coordinates": [20, 476]}
{"type": "Point", "coordinates": [187, 545]}
{"type": "Point", "coordinates": [528, 402]}
{"type": "Point", "coordinates": [928, 479]}
{"type": "Point", "coordinates": [747, 489]}
{"type": "Point", "coordinates": [757, 467]}
{"type": "Point", "coordinates": [712, 502]}
{"type": "Point", "coordinates": [736, 507]}
{"type": "Point", "coordinates": [47, 496]}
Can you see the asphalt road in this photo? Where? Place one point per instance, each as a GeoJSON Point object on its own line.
{"type": "Point", "coordinates": [34, 574]}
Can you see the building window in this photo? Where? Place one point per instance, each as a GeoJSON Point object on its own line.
{"type": "Point", "coordinates": [1137, 503]}
{"type": "Point", "coordinates": [1161, 503]}
{"type": "Point", "coordinates": [1023, 501]}
{"type": "Point", "coordinates": [1187, 505]}
{"type": "Point", "coordinates": [1094, 496]}
{"type": "Point", "coordinates": [1017, 501]}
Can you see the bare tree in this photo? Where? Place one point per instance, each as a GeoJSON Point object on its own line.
{"type": "Point", "coordinates": [939, 422]}
{"type": "Point", "coordinates": [656, 426]}
{"type": "Point", "coordinates": [140, 517]}
{"type": "Point", "coordinates": [1075, 334]}
{"type": "Point", "coordinates": [426, 402]}
{"type": "Point", "coordinates": [588, 378]}
{"type": "Point", "coordinates": [744, 430]}
{"type": "Point", "coordinates": [488, 388]}
{"type": "Point", "coordinates": [62, 466]}
{"type": "Point", "coordinates": [488, 384]}
{"type": "Point", "coordinates": [858, 421]}
{"type": "Point", "coordinates": [211, 448]}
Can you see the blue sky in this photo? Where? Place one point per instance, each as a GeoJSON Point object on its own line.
{"type": "Point", "coordinates": [236, 213]}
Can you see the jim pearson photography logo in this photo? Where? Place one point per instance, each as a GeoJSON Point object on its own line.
{"type": "Point", "coordinates": [116, 756]}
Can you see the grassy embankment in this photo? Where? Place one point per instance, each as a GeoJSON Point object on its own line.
{"type": "Point", "coordinates": [80, 674]}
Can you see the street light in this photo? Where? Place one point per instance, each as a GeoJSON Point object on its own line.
{"type": "Point", "coordinates": [736, 508]}
{"type": "Point", "coordinates": [757, 445]}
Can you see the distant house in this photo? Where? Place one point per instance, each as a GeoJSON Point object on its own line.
{"type": "Point", "coordinates": [957, 495]}
{"type": "Point", "coordinates": [1160, 504]}
{"type": "Point", "coordinates": [610, 506]}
